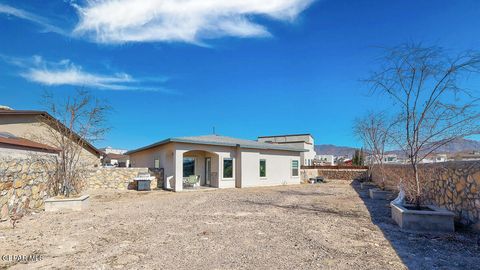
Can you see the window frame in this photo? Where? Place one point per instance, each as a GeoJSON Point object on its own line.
{"type": "Point", "coordinates": [194, 165]}
{"type": "Point", "coordinates": [260, 168]}
{"type": "Point", "coordinates": [298, 167]}
{"type": "Point", "coordinates": [223, 169]}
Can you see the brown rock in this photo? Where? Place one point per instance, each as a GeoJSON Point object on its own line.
{"type": "Point", "coordinates": [449, 193]}
{"type": "Point", "coordinates": [18, 184]}
{"type": "Point", "coordinates": [4, 212]}
{"type": "Point", "coordinates": [470, 179]}
{"type": "Point", "coordinates": [7, 185]}
{"type": "Point", "coordinates": [41, 186]}
{"type": "Point", "coordinates": [460, 186]}
{"type": "Point", "coordinates": [476, 176]}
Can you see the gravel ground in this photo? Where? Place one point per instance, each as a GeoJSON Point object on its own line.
{"type": "Point", "coordinates": [324, 226]}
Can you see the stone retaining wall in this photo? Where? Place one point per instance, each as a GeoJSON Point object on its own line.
{"type": "Point", "coordinates": [453, 185]}
{"type": "Point", "coordinates": [23, 187]}
{"type": "Point", "coordinates": [24, 184]}
{"type": "Point", "coordinates": [340, 174]}
{"type": "Point", "coordinates": [116, 178]}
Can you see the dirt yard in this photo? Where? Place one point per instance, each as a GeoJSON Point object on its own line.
{"type": "Point", "coordinates": [324, 226]}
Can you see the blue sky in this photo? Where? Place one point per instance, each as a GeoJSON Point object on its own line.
{"type": "Point", "coordinates": [249, 69]}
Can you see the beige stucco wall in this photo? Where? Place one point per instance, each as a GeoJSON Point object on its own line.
{"type": "Point", "coordinates": [246, 171]}
{"type": "Point", "coordinates": [18, 152]}
{"type": "Point", "coordinates": [29, 127]}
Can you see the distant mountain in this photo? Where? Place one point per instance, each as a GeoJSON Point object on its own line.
{"type": "Point", "coordinates": [456, 146]}
{"type": "Point", "coordinates": [330, 149]}
{"type": "Point", "coordinates": [459, 145]}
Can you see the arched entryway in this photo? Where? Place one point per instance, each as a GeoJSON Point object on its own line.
{"type": "Point", "coordinates": [202, 164]}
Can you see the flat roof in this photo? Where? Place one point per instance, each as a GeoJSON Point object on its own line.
{"type": "Point", "coordinates": [220, 141]}
{"type": "Point", "coordinates": [286, 135]}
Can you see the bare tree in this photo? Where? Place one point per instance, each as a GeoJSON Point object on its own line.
{"type": "Point", "coordinates": [373, 130]}
{"type": "Point", "coordinates": [433, 104]}
{"type": "Point", "coordinates": [76, 122]}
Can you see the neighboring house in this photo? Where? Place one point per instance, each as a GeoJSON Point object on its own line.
{"type": "Point", "coordinates": [348, 162]}
{"type": "Point", "coordinates": [12, 146]}
{"type": "Point", "coordinates": [111, 150]}
{"type": "Point", "coordinates": [33, 125]}
{"type": "Point", "coordinates": [115, 157]}
{"type": "Point", "coordinates": [341, 159]}
{"type": "Point", "coordinates": [325, 160]}
{"type": "Point", "coordinates": [386, 159]}
{"type": "Point", "coordinates": [118, 160]}
{"type": "Point", "coordinates": [304, 141]}
{"type": "Point", "coordinates": [221, 162]}
{"type": "Point", "coordinates": [466, 156]}
{"type": "Point", "coordinates": [435, 158]}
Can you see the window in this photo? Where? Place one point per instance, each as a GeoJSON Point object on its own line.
{"type": "Point", "coordinates": [156, 164]}
{"type": "Point", "coordinates": [227, 168]}
{"type": "Point", "coordinates": [188, 166]}
{"type": "Point", "coordinates": [263, 168]}
{"type": "Point", "coordinates": [294, 167]}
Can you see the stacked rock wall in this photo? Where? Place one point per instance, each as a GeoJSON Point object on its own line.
{"type": "Point", "coordinates": [338, 174]}
{"type": "Point", "coordinates": [23, 187]}
{"type": "Point", "coordinates": [453, 185]}
{"type": "Point", "coordinates": [24, 184]}
{"type": "Point", "coordinates": [116, 178]}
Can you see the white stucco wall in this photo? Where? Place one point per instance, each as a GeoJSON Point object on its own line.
{"type": "Point", "coordinates": [278, 167]}
{"type": "Point", "coordinates": [308, 157]}
{"type": "Point", "coordinates": [303, 141]}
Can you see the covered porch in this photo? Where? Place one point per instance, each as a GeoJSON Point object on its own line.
{"type": "Point", "coordinates": [213, 166]}
{"type": "Point", "coordinates": [199, 169]}
{"type": "Point", "coordinates": [195, 169]}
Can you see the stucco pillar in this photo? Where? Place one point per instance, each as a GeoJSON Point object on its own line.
{"type": "Point", "coordinates": [178, 165]}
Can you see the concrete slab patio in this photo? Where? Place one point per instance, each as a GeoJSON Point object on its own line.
{"type": "Point", "coordinates": [324, 226]}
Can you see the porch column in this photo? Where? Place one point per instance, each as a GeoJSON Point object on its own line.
{"type": "Point", "coordinates": [178, 165]}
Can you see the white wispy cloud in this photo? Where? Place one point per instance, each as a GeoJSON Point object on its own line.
{"type": "Point", "coordinates": [64, 72]}
{"type": "Point", "coordinates": [25, 15]}
{"type": "Point", "coordinates": [191, 21]}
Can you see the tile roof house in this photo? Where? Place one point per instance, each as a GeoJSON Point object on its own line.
{"type": "Point", "coordinates": [221, 162]}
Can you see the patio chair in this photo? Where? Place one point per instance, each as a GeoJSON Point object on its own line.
{"type": "Point", "coordinates": [191, 181]}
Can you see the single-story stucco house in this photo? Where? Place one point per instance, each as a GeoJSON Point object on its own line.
{"type": "Point", "coordinates": [221, 162]}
